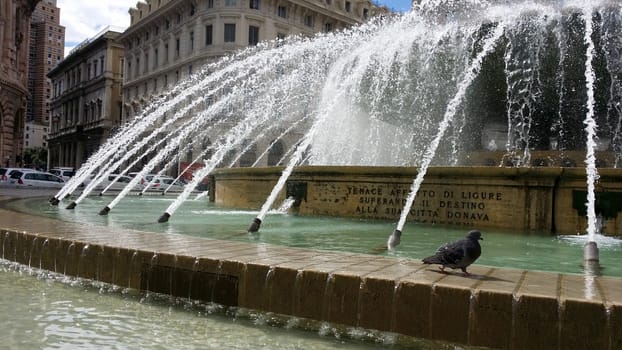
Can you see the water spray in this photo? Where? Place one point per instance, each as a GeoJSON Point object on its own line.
{"type": "Point", "coordinates": [469, 76]}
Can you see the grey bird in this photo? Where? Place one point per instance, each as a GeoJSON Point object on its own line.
{"type": "Point", "coordinates": [459, 254]}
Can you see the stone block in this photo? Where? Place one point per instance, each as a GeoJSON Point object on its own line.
{"type": "Point", "coordinates": [449, 314]}
{"type": "Point", "coordinates": [490, 324]}
{"type": "Point", "coordinates": [88, 261]}
{"type": "Point", "coordinates": [577, 334]}
{"type": "Point", "coordinates": [253, 285]}
{"type": "Point", "coordinates": [342, 295]}
{"type": "Point", "coordinates": [412, 309]}
{"type": "Point", "coordinates": [309, 297]}
{"type": "Point", "coordinates": [536, 323]}
{"type": "Point", "coordinates": [376, 307]}
{"type": "Point", "coordinates": [281, 290]}
{"type": "Point", "coordinates": [105, 263]}
{"type": "Point", "coordinates": [615, 326]}
{"type": "Point", "coordinates": [48, 256]}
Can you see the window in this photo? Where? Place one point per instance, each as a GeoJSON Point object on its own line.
{"type": "Point", "coordinates": [210, 4]}
{"type": "Point", "coordinates": [166, 52]}
{"type": "Point", "coordinates": [309, 20]}
{"type": "Point", "coordinates": [229, 32]}
{"type": "Point", "coordinates": [101, 66]}
{"type": "Point", "coordinates": [230, 3]}
{"type": "Point", "coordinates": [348, 6]}
{"type": "Point", "coordinates": [192, 10]}
{"type": "Point", "coordinates": [190, 70]}
{"type": "Point", "coordinates": [328, 2]}
{"type": "Point", "coordinates": [282, 11]}
{"type": "Point", "coordinates": [177, 47]}
{"type": "Point", "coordinates": [208, 34]}
{"type": "Point", "coordinates": [328, 27]}
{"type": "Point", "coordinates": [365, 13]}
{"type": "Point", "coordinates": [95, 68]}
{"type": "Point", "coordinates": [191, 41]}
{"type": "Point", "coordinates": [157, 30]}
{"type": "Point", "coordinates": [254, 4]}
{"type": "Point", "coordinates": [168, 24]}
{"type": "Point", "coordinates": [155, 59]}
{"type": "Point", "coordinates": [146, 68]}
{"type": "Point", "coordinates": [253, 35]}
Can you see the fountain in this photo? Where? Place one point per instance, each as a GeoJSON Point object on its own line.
{"type": "Point", "coordinates": [457, 114]}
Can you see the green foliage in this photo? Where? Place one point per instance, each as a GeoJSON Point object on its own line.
{"type": "Point", "coordinates": [36, 157]}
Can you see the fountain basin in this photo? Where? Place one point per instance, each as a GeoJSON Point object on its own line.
{"type": "Point", "coordinates": [541, 199]}
{"type": "Point", "coordinates": [496, 307]}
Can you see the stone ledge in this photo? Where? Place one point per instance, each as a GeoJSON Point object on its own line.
{"type": "Point", "coordinates": [497, 308]}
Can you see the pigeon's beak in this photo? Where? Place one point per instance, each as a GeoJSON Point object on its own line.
{"type": "Point", "coordinates": [481, 238]}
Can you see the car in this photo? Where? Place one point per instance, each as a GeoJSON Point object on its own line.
{"type": "Point", "coordinates": [162, 183]}
{"type": "Point", "coordinates": [118, 185]}
{"type": "Point", "coordinates": [34, 178]}
{"type": "Point", "coordinates": [63, 172]}
{"type": "Point", "coordinates": [5, 173]}
{"type": "Point", "coordinates": [169, 184]}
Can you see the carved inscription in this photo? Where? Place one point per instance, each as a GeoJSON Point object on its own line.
{"type": "Point", "coordinates": [452, 205]}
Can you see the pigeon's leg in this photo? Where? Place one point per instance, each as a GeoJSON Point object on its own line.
{"type": "Point", "coordinates": [465, 271]}
{"type": "Point", "coordinates": [442, 268]}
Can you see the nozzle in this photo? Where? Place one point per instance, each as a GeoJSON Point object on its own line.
{"type": "Point", "coordinates": [254, 227]}
{"type": "Point", "coordinates": [72, 205]}
{"type": "Point", "coordinates": [394, 239]}
{"type": "Point", "coordinates": [590, 252]}
{"type": "Point", "coordinates": [54, 201]}
{"type": "Point", "coordinates": [104, 211]}
{"type": "Point", "coordinates": [164, 217]}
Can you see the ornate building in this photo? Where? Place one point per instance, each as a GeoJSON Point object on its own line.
{"type": "Point", "coordinates": [169, 39]}
{"type": "Point", "coordinates": [14, 36]}
{"type": "Point", "coordinates": [86, 99]}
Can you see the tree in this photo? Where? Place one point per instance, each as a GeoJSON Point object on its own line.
{"type": "Point", "coordinates": [36, 157]}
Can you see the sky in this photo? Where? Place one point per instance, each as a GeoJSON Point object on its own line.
{"type": "Point", "coordinates": [83, 19]}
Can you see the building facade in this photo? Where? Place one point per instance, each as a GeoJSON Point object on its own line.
{"type": "Point", "coordinates": [15, 18]}
{"type": "Point", "coordinates": [167, 40]}
{"type": "Point", "coordinates": [86, 99]}
{"type": "Point", "coordinates": [47, 43]}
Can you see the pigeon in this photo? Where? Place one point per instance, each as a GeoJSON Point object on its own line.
{"type": "Point", "coordinates": [459, 254]}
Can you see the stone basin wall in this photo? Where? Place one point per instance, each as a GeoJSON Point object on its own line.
{"type": "Point", "coordinates": [541, 199]}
